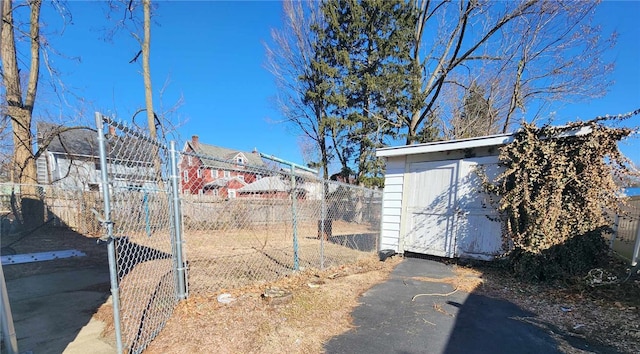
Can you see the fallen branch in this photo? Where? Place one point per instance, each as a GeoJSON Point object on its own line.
{"type": "Point", "coordinates": [447, 294]}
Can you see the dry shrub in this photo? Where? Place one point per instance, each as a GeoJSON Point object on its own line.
{"type": "Point", "coordinates": [559, 183]}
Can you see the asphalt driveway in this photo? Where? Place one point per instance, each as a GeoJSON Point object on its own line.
{"type": "Point", "coordinates": [387, 321]}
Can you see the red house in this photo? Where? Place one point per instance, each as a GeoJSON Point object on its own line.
{"type": "Point", "coordinates": [213, 170]}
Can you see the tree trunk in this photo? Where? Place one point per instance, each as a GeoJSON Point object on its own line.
{"type": "Point", "coordinates": [20, 112]}
{"type": "Point", "coordinates": [148, 90]}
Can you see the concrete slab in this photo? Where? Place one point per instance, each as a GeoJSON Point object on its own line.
{"type": "Point", "coordinates": [89, 340]}
{"type": "Point", "coordinates": [50, 310]}
{"type": "Point", "coordinates": [387, 321]}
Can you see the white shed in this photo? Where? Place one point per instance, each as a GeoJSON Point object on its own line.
{"type": "Point", "coordinates": [432, 202]}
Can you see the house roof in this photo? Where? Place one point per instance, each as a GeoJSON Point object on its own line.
{"type": "Point", "coordinates": [68, 140]}
{"type": "Point", "coordinates": [223, 182]}
{"type": "Point", "coordinates": [482, 141]}
{"type": "Point", "coordinates": [266, 184]}
{"type": "Point", "coordinates": [223, 158]}
{"type": "Point", "coordinates": [83, 141]}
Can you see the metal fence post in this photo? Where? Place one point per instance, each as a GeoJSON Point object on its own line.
{"type": "Point", "coordinates": [111, 249]}
{"type": "Point", "coordinates": [296, 260]}
{"type": "Point", "coordinates": [180, 269]}
{"type": "Point", "coordinates": [636, 249]}
{"type": "Point", "coordinates": [614, 234]}
{"type": "Point", "coordinates": [7, 329]}
{"type": "Point", "coordinates": [323, 218]}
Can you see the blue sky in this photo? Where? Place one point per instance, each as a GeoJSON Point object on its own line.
{"type": "Point", "coordinates": [211, 54]}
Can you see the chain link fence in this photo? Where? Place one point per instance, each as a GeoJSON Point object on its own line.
{"type": "Point", "coordinates": [626, 238]}
{"type": "Point", "coordinates": [247, 220]}
{"type": "Point", "coordinates": [207, 219]}
{"type": "Point", "coordinates": [56, 206]}
{"type": "Point", "coordinates": [140, 218]}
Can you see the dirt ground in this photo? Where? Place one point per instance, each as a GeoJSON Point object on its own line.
{"type": "Point", "coordinates": [603, 313]}
{"type": "Point", "coordinates": [321, 302]}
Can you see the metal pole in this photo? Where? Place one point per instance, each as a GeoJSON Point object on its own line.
{"type": "Point", "coordinates": [293, 165]}
{"type": "Point", "coordinates": [180, 269]}
{"type": "Point", "coordinates": [614, 234]}
{"type": "Point", "coordinates": [111, 249]}
{"type": "Point", "coordinates": [8, 331]}
{"type": "Point", "coordinates": [323, 217]}
{"type": "Point", "coordinates": [147, 216]}
{"type": "Point", "coordinates": [285, 162]}
{"type": "Point", "coordinates": [296, 261]}
{"type": "Point", "coordinates": [636, 250]}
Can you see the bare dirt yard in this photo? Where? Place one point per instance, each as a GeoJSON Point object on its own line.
{"type": "Point", "coordinates": [320, 302]}
{"type": "Point", "coordinates": [317, 306]}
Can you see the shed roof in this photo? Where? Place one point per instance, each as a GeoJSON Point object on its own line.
{"type": "Point", "coordinates": [449, 145]}
{"type": "Point", "coordinates": [483, 141]}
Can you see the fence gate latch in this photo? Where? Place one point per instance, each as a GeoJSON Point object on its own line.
{"type": "Point", "coordinates": [103, 222]}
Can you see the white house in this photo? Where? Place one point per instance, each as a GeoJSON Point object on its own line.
{"type": "Point", "coordinates": [433, 203]}
{"type": "Point", "coordinates": [70, 159]}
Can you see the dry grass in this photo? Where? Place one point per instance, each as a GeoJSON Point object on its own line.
{"type": "Point", "coordinates": [464, 279]}
{"type": "Point", "coordinates": [322, 302]}
{"type": "Point", "coordinates": [249, 324]}
{"type": "Point", "coordinates": [226, 259]}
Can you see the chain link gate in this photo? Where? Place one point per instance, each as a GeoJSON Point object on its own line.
{"type": "Point", "coordinates": [142, 232]}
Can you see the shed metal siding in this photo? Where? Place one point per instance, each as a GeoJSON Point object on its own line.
{"type": "Point", "coordinates": [392, 203]}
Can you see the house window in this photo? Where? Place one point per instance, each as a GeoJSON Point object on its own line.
{"type": "Point", "coordinates": [186, 176]}
{"type": "Point", "coordinates": [94, 187]}
{"type": "Point", "coordinates": [241, 177]}
{"type": "Point", "coordinates": [189, 160]}
{"type": "Point", "coordinates": [240, 160]}
{"type": "Point", "coordinates": [232, 193]}
{"type": "Point", "coordinates": [200, 191]}
{"type": "Point", "coordinates": [215, 192]}
{"type": "Point", "coordinates": [214, 173]}
{"type": "Point", "coordinates": [258, 176]}
{"type": "Point", "coordinates": [199, 173]}
{"type": "Point", "coordinates": [227, 174]}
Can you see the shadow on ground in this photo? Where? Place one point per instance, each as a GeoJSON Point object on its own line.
{"type": "Point", "coordinates": [389, 321]}
{"type": "Point", "coordinates": [51, 301]}
{"type": "Point", "coordinates": [366, 242]}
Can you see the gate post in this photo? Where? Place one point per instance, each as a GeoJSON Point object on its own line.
{"type": "Point", "coordinates": [323, 218]}
{"type": "Point", "coordinates": [294, 197]}
{"type": "Point", "coordinates": [111, 249]}
{"type": "Point", "coordinates": [177, 224]}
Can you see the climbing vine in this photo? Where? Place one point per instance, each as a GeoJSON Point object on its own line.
{"type": "Point", "coordinates": [560, 182]}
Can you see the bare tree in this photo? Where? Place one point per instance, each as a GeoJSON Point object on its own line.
{"type": "Point", "coordinates": [301, 85]}
{"type": "Point", "coordinates": [19, 107]}
{"type": "Point", "coordinates": [525, 52]}
{"type": "Point", "coordinates": [154, 122]}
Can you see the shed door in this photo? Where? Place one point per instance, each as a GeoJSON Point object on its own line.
{"type": "Point", "coordinates": [478, 231]}
{"type": "Point", "coordinates": [430, 209]}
